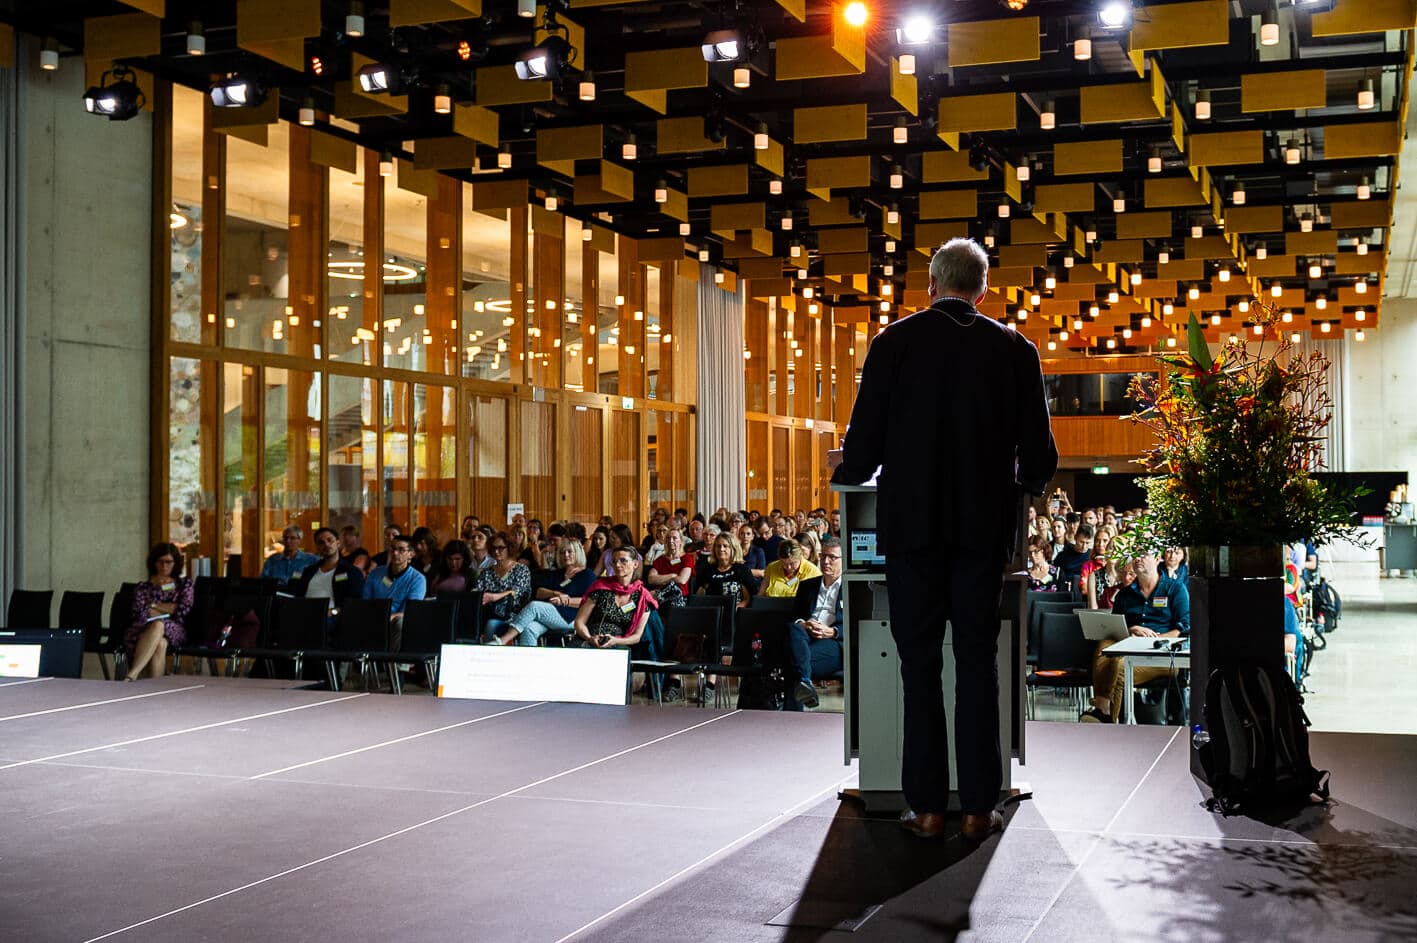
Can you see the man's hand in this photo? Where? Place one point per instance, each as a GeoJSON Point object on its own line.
{"type": "Point", "coordinates": [1142, 631]}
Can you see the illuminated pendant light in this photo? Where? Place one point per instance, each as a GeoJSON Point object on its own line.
{"type": "Point", "coordinates": [907, 63]}
{"type": "Point", "coordinates": [1269, 26]}
{"type": "Point", "coordinates": [1292, 153]}
{"type": "Point", "coordinates": [760, 137]}
{"type": "Point", "coordinates": [1048, 117]}
{"type": "Point", "coordinates": [1365, 190]}
{"type": "Point", "coordinates": [897, 178]}
{"type": "Point", "coordinates": [1239, 195]}
{"type": "Point", "coordinates": [1082, 48]}
{"type": "Point", "coordinates": [586, 88]}
{"type": "Point", "coordinates": [901, 134]}
{"type": "Point", "coordinates": [775, 186]}
{"type": "Point", "coordinates": [629, 150]}
{"type": "Point", "coordinates": [1366, 98]}
{"type": "Point", "coordinates": [307, 112]}
{"type": "Point", "coordinates": [1203, 105]}
{"type": "Point", "coordinates": [742, 77]}
{"type": "Point", "coordinates": [442, 100]}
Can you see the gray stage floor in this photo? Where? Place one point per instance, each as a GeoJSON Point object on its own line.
{"type": "Point", "coordinates": [208, 809]}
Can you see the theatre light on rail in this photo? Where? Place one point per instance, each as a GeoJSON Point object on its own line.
{"type": "Point", "coordinates": [116, 100]}
{"type": "Point", "coordinates": [723, 45]}
{"type": "Point", "coordinates": [1115, 14]}
{"type": "Point", "coordinates": [856, 13]}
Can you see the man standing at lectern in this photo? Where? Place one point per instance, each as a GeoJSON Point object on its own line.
{"type": "Point", "coordinates": [951, 409]}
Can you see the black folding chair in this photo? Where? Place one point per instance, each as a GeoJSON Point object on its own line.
{"type": "Point", "coordinates": [728, 609]}
{"type": "Point", "coordinates": [298, 629]}
{"type": "Point", "coordinates": [29, 609]}
{"type": "Point", "coordinates": [363, 631]}
{"type": "Point", "coordinates": [1064, 659]}
{"type": "Point", "coordinates": [428, 625]}
{"type": "Point", "coordinates": [1036, 610]}
{"type": "Point", "coordinates": [760, 652]}
{"type": "Point", "coordinates": [691, 646]}
{"type": "Point", "coordinates": [120, 617]}
{"type": "Point", "coordinates": [206, 638]}
{"type": "Point", "coordinates": [773, 603]}
{"type": "Point", "coordinates": [85, 611]}
{"type": "Point", "coordinates": [469, 621]}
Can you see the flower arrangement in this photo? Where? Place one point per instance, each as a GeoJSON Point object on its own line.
{"type": "Point", "coordinates": [1238, 437]}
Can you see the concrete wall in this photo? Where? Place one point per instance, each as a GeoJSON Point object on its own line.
{"type": "Point", "coordinates": [1380, 389]}
{"type": "Point", "coordinates": [88, 195]}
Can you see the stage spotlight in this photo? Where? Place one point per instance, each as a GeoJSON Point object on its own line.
{"type": "Point", "coordinates": [723, 45]}
{"type": "Point", "coordinates": [376, 77]}
{"type": "Point", "coordinates": [1115, 14]}
{"type": "Point", "coordinates": [236, 92]}
{"type": "Point", "coordinates": [118, 100]}
{"type": "Point", "coordinates": [547, 60]}
{"type": "Point", "coordinates": [916, 30]}
{"type": "Point", "coordinates": [856, 13]}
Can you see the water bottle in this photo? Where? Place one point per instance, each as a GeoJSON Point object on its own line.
{"type": "Point", "coordinates": [225, 636]}
{"type": "Point", "coordinates": [757, 650]}
{"type": "Point", "coordinates": [1199, 737]}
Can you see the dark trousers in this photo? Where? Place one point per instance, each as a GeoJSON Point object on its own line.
{"type": "Point", "coordinates": [812, 658]}
{"type": "Point", "coordinates": [926, 591]}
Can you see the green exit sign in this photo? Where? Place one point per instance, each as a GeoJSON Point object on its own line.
{"type": "Point", "coordinates": [1102, 469]}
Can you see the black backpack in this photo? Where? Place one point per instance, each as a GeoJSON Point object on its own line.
{"type": "Point", "coordinates": [1328, 607]}
{"type": "Point", "coordinates": [1257, 758]}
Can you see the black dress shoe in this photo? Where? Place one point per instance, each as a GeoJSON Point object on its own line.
{"type": "Point", "coordinates": [979, 827]}
{"type": "Point", "coordinates": [923, 824]}
{"type": "Point", "coordinates": [805, 694]}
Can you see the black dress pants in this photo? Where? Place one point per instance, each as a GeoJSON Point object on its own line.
{"type": "Point", "coordinates": [925, 592]}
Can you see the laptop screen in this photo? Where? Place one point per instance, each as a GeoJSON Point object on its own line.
{"type": "Point", "coordinates": [34, 653]}
{"type": "Point", "coordinates": [864, 554]}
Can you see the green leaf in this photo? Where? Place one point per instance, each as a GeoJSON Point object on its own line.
{"type": "Point", "coordinates": [1195, 338]}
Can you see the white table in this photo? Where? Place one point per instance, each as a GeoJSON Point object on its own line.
{"type": "Point", "coordinates": [1136, 650]}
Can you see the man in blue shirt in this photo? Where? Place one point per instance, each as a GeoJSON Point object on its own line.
{"type": "Point", "coordinates": [398, 582]}
{"type": "Point", "coordinates": [1156, 606]}
{"type": "Point", "coordinates": [290, 562]}
{"type": "Point", "coordinates": [1070, 559]}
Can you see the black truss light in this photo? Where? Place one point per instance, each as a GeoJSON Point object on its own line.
{"type": "Point", "coordinates": [117, 100]}
{"type": "Point", "coordinates": [235, 91]}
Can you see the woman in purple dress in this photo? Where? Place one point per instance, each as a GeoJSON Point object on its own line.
{"type": "Point", "coordinates": [161, 604]}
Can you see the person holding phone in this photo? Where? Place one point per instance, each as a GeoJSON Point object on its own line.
{"type": "Point", "coordinates": [617, 610]}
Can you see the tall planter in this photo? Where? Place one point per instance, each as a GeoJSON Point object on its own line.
{"type": "Point", "coordinates": [1237, 615]}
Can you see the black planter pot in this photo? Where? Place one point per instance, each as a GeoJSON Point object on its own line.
{"type": "Point", "coordinates": [1237, 616]}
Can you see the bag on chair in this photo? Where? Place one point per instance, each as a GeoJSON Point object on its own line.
{"type": "Point", "coordinates": [1257, 758]}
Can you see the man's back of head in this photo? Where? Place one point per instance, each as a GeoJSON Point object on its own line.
{"type": "Point", "coordinates": [959, 269]}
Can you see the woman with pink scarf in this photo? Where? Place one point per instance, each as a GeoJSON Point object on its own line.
{"type": "Point", "coordinates": [618, 611]}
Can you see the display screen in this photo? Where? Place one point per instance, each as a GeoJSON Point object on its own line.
{"type": "Point", "coordinates": [863, 550]}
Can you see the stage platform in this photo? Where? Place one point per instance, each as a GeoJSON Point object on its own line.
{"type": "Point", "coordinates": [194, 808]}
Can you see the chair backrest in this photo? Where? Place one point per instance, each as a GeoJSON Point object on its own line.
{"type": "Point", "coordinates": [728, 610]}
{"type": "Point", "coordinates": [773, 603]}
{"type": "Point", "coordinates": [770, 628]}
{"type": "Point", "coordinates": [363, 626]}
{"type": "Point", "coordinates": [29, 609]}
{"type": "Point", "coordinates": [701, 621]}
{"type": "Point", "coordinates": [1036, 612]}
{"type": "Point", "coordinates": [429, 624]}
{"type": "Point", "coordinates": [468, 627]}
{"type": "Point", "coordinates": [120, 610]}
{"type": "Point", "coordinates": [298, 624]}
{"type": "Point", "coordinates": [253, 586]}
{"type": "Point", "coordinates": [237, 607]}
{"type": "Point", "coordinates": [1062, 646]}
{"type": "Point", "coordinates": [78, 610]}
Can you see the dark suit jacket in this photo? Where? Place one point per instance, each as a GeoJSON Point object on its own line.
{"type": "Point", "coordinates": [951, 408]}
{"type": "Point", "coordinates": [806, 600]}
{"type": "Point", "coordinates": [348, 584]}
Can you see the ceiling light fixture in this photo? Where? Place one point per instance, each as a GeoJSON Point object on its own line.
{"type": "Point", "coordinates": [1022, 172]}
{"type": "Point", "coordinates": [629, 150]}
{"type": "Point", "coordinates": [1224, 274]}
{"type": "Point", "coordinates": [307, 112]}
{"type": "Point", "coordinates": [196, 39]}
{"type": "Point", "coordinates": [897, 178]}
{"type": "Point", "coordinates": [787, 221]}
{"type": "Point", "coordinates": [504, 159]}
{"type": "Point", "coordinates": [1306, 223]}
{"type": "Point", "coordinates": [855, 13]}
{"type": "Point", "coordinates": [1082, 48]}
{"type": "Point", "coordinates": [1153, 161]}
{"type": "Point", "coordinates": [1115, 14]}
{"type": "Point", "coordinates": [893, 215]}
{"type": "Point", "coordinates": [586, 89]}
{"type": "Point", "coordinates": [551, 202]}
{"type": "Point", "coordinates": [354, 19]}
{"type": "Point", "coordinates": [1119, 204]}
{"type": "Point", "coordinates": [1048, 117]}
{"type": "Point", "coordinates": [760, 137]}
{"type": "Point", "coordinates": [1203, 104]}
{"type": "Point", "coordinates": [1366, 97]}
{"type": "Point", "coordinates": [1261, 252]}
{"type": "Point", "coordinates": [1316, 270]}
{"type": "Point", "coordinates": [742, 77]}
{"type": "Point", "coordinates": [1269, 25]}
{"type": "Point", "coordinates": [1198, 231]}
{"type": "Point", "coordinates": [1361, 286]}
{"type": "Point", "coordinates": [1360, 315]}
{"type": "Point", "coordinates": [661, 191]}
{"type": "Point", "coordinates": [549, 59]}
{"type": "Point", "coordinates": [443, 100]}
{"type": "Point", "coordinates": [917, 29]}
{"type": "Point", "coordinates": [526, 8]}
{"type": "Point", "coordinates": [1365, 189]}
{"type": "Point", "coordinates": [1362, 248]}
{"type": "Point", "coordinates": [386, 164]}
{"type": "Point", "coordinates": [376, 77]}
{"type": "Point", "coordinates": [1321, 302]}
{"type": "Point", "coordinates": [723, 45]}
{"type": "Point", "coordinates": [1292, 152]}
{"type": "Point", "coordinates": [1163, 257]}
{"type": "Point", "coordinates": [236, 92]}
{"type": "Point", "coordinates": [901, 134]}
{"type": "Point", "coordinates": [775, 186]}
{"type": "Point", "coordinates": [1004, 209]}
{"type": "Point", "coordinates": [1238, 197]}
{"type": "Point", "coordinates": [1359, 335]}
{"type": "Point", "coordinates": [1276, 290]}
{"type": "Point", "coordinates": [906, 63]}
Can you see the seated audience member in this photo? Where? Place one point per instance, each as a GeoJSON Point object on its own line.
{"type": "Point", "coordinates": [351, 550]}
{"type": "Point", "coordinates": [383, 556]}
{"type": "Point", "coordinates": [655, 543]}
{"type": "Point", "coordinates": [1042, 574]}
{"type": "Point", "coordinates": [398, 583]}
{"type": "Point", "coordinates": [558, 595]}
{"type": "Point", "coordinates": [1156, 606]}
{"type": "Point", "coordinates": [617, 610]}
{"type": "Point", "coordinates": [161, 604]}
{"type": "Point", "coordinates": [1032, 521]}
{"type": "Point", "coordinates": [596, 546]}
{"type": "Point", "coordinates": [811, 546]}
{"type": "Point", "coordinates": [695, 532]}
{"type": "Point", "coordinates": [725, 574]}
{"type": "Point", "coordinates": [1089, 517]}
{"type": "Point", "coordinates": [522, 548]}
{"type": "Point", "coordinates": [1096, 574]}
{"type": "Point", "coordinates": [469, 525]}
{"type": "Point", "coordinates": [753, 554]}
{"type": "Point", "coordinates": [290, 562]}
{"type": "Point", "coordinates": [1060, 536]}
{"type": "Point", "coordinates": [453, 574]}
{"type": "Point", "coordinates": [1173, 564]}
{"type": "Point", "coordinates": [672, 568]}
{"type": "Point", "coordinates": [425, 551]}
{"type": "Point", "coordinates": [479, 557]}
{"type": "Point", "coordinates": [1070, 561]}
{"type": "Point", "coordinates": [334, 578]}
{"type": "Point", "coordinates": [767, 541]}
{"type": "Point", "coordinates": [814, 638]}
{"type": "Point", "coordinates": [781, 577]}
{"type": "Point", "coordinates": [835, 517]}
{"type": "Point", "coordinates": [506, 588]}
{"type": "Point", "coordinates": [618, 536]}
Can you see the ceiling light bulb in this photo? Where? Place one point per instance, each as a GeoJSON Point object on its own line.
{"type": "Point", "coordinates": [586, 88]}
{"type": "Point", "coordinates": [703, 255]}
{"type": "Point", "coordinates": [1238, 197]}
{"type": "Point", "coordinates": [885, 305]}
{"type": "Point", "coordinates": [1197, 231]}
{"type": "Point", "coordinates": [661, 192]}
{"type": "Point", "coordinates": [1048, 117]}
{"type": "Point", "coordinates": [807, 292]}
{"type": "Point", "coordinates": [907, 63]}
{"type": "Point", "coordinates": [1089, 235]}
{"type": "Point", "coordinates": [1168, 309]}
{"type": "Point", "coordinates": [1093, 311]}
{"type": "Point", "coordinates": [1126, 333]}
{"type": "Point", "coordinates": [442, 101]}
{"type": "Point", "coordinates": [307, 112]}
{"type": "Point", "coordinates": [1050, 282]}
{"type": "Point", "coordinates": [1004, 210]}
{"type": "Point", "coordinates": [1261, 252]}
{"type": "Point", "coordinates": [1287, 317]}
{"type": "Point", "coordinates": [775, 186]}
{"type": "Point", "coordinates": [893, 215]}
{"type": "Point", "coordinates": [1224, 274]}
{"type": "Point", "coordinates": [890, 245]}
{"type": "Point", "coordinates": [1316, 270]}
{"type": "Point", "coordinates": [1321, 302]}
{"type": "Point", "coordinates": [1052, 345]}
{"type": "Point", "coordinates": [1366, 98]}
{"type": "Point", "coordinates": [1361, 287]}
{"type": "Point", "coordinates": [551, 201]}
{"type": "Point", "coordinates": [1365, 190]}
{"type": "Point", "coordinates": [1082, 49]}
{"type": "Point", "coordinates": [901, 133]}
{"type": "Point", "coordinates": [742, 77]}
{"type": "Point", "coordinates": [1276, 290]}
{"type": "Point", "coordinates": [1163, 257]}
{"type": "Point", "coordinates": [1306, 223]}
{"type": "Point", "coordinates": [386, 164]}
{"type": "Point", "coordinates": [718, 278]}
{"type": "Point", "coordinates": [354, 19]}
{"type": "Point", "coordinates": [1119, 204]}
{"type": "Point", "coordinates": [1359, 336]}
{"type": "Point", "coordinates": [855, 13]}
{"type": "Point", "coordinates": [526, 8]}
{"type": "Point", "coordinates": [1111, 343]}
{"type": "Point", "coordinates": [1136, 278]}
{"type": "Point", "coordinates": [196, 40]}
{"type": "Point", "coordinates": [1360, 315]}
{"type": "Point", "coordinates": [760, 137]}
{"type": "Point", "coordinates": [795, 250]}
{"type": "Point", "coordinates": [1292, 154]}
{"type": "Point", "coordinates": [1269, 26]}
{"type": "Point", "coordinates": [684, 229]}
{"type": "Point", "coordinates": [1063, 335]}
{"type": "Point", "coordinates": [988, 240]}
{"type": "Point", "coordinates": [897, 179]}
{"type": "Point", "coordinates": [1244, 307]}
{"type": "Point", "coordinates": [1068, 261]}
{"type": "Point", "coordinates": [1362, 248]}
{"type": "Point", "coordinates": [1203, 105]}
{"type": "Point", "coordinates": [504, 160]}
{"type": "Point", "coordinates": [1295, 337]}
{"type": "Point", "coordinates": [1153, 161]}
{"type": "Point", "coordinates": [1077, 324]}
{"type": "Point", "coordinates": [586, 234]}
{"type": "Point", "coordinates": [887, 270]}
{"type": "Point", "coordinates": [629, 150]}
{"type": "Point", "coordinates": [1193, 293]}
{"type": "Point", "coordinates": [1022, 172]}
{"type": "Point", "coordinates": [801, 274]}
{"type": "Point", "coordinates": [1022, 314]}
{"type": "Point", "coordinates": [786, 222]}
{"type": "Point", "coordinates": [1259, 330]}
{"type": "Point", "coordinates": [1035, 299]}
{"type": "Point", "coordinates": [1215, 320]}
{"type": "Point", "coordinates": [1324, 327]}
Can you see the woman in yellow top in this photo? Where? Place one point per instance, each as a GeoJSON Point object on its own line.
{"type": "Point", "coordinates": [788, 571]}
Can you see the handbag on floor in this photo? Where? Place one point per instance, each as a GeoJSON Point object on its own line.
{"type": "Point", "coordinates": [1257, 756]}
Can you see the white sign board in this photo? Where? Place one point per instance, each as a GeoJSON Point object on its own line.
{"type": "Point", "coordinates": [524, 673]}
{"type": "Point", "coordinates": [19, 661]}
{"type": "Point", "coordinates": [513, 510]}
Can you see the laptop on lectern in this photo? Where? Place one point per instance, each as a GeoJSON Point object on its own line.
{"type": "Point", "coordinates": [1100, 626]}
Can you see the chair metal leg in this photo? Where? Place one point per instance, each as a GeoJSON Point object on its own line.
{"type": "Point", "coordinates": [395, 681]}
{"type": "Point", "coordinates": [103, 666]}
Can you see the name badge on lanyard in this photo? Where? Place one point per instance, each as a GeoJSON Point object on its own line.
{"type": "Point", "coordinates": [168, 587]}
{"type": "Point", "coordinates": [1159, 602]}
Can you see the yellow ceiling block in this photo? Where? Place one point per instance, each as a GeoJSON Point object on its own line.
{"type": "Point", "coordinates": [1087, 157]}
{"type": "Point", "coordinates": [1182, 270]}
{"type": "Point", "coordinates": [1121, 250]}
{"type": "Point", "coordinates": [1179, 25]}
{"type": "Point", "coordinates": [654, 100]}
{"type": "Point", "coordinates": [1208, 247]}
{"type": "Point", "coordinates": [1011, 277]}
{"type": "Point", "coordinates": [418, 12]}
{"type": "Point", "coordinates": [659, 69]}
{"type": "Point", "coordinates": [1064, 198]}
{"type": "Point", "coordinates": [499, 85]}
{"type": "Point", "coordinates": [477, 123]}
{"type": "Point", "coordinates": [682, 136]}
{"type": "Point", "coordinates": [904, 88]}
{"type": "Point", "coordinates": [1322, 242]}
{"type": "Point", "coordinates": [985, 42]}
{"type": "Point", "coordinates": [930, 236]}
{"type": "Point", "coordinates": [730, 217]}
{"type": "Point", "coordinates": [760, 269]}
{"type": "Point", "coordinates": [1173, 191]}
{"type": "Point", "coordinates": [1155, 288]}
{"type": "Point", "coordinates": [949, 204]}
{"type": "Point", "coordinates": [963, 113]}
{"type": "Point", "coordinates": [1369, 139]}
{"type": "Point", "coordinates": [827, 172]}
{"type": "Point", "coordinates": [770, 158]}
{"type": "Point", "coordinates": [829, 123]}
{"type": "Point", "coordinates": [731, 180]}
{"type": "Point", "coordinates": [1365, 214]}
{"type": "Point", "coordinates": [585, 142]}
{"type": "Point", "coordinates": [1351, 263]}
{"type": "Point", "coordinates": [1023, 256]}
{"type": "Point", "coordinates": [127, 35]}
{"type": "Point", "coordinates": [949, 167]}
{"type": "Point", "coordinates": [858, 263]}
{"type": "Point", "coordinates": [835, 212]}
{"type": "Point", "coordinates": [1131, 101]}
{"type": "Point", "coordinates": [268, 21]}
{"type": "Point", "coordinates": [1226, 147]}
{"type": "Point", "coordinates": [1026, 231]}
{"type": "Point", "coordinates": [499, 194]}
{"type": "Point", "coordinates": [330, 151]}
{"type": "Point", "coordinates": [1276, 266]}
{"type": "Point", "coordinates": [1365, 16]}
{"type": "Point", "coordinates": [156, 8]}
{"type": "Point", "coordinates": [446, 153]}
{"type": "Point", "coordinates": [1283, 91]}
{"type": "Point", "coordinates": [853, 239]}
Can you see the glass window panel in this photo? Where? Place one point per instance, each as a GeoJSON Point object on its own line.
{"type": "Point", "coordinates": [255, 247]}
{"type": "Point", "coordinates": [352, 447]}
{"type": "Point", "coordinates": [240, 431]}
{"type": "Point", "coordinates": [607, 325]}
{"type": "Point", "coordinates": [405, 279]}
{"type": "Point", "coordinates": [757, 463]}
{"type": "Point", "coordinates": [192, 423]}
{"type": "Point", "coordinates": [685, 491]}
{"type": "Point", "coordinates": [487, 456]}
{"type": "Point", "coordinates": [346, 317]}
{"type": "Point", "coordinates": [435, 435]}
{"type": "Point", "coordinates": [189, 323]}
{"type": "Point", "coordinates": [291, 454]}
{"type": "Point", "coordinates": [1089, 394]}
{"type": "Point", "coordinates": [394, 410]}
{"type": "Point", "coordinates": [625, 468]}
{"type": "Point", "coordinates": [573, 308]}
{"type": "Point", "coordinates": [587, 501]}
{"type": "Point", "coordinates": [486, 295]}
{"type": "Point", "coordinates": [804, 478]}
{"type": "Point", "coordinates": [781, 480]}
{"type": "Point", "coordinates": [538, 458]}
{"type": "Point", "coordinates": [653, 326]}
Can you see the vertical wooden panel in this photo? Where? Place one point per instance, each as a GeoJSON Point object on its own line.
{"type": "Point", "coordinates": [516, 341]}
{"type": "Point", "coordinates": [590, 311]}
{"type": "Point", "coordinates": [309, 193]}
{"type": "Point", "coordinates": [632, 332]}
{"type": "Point", "coordinates": [373, 285]}
{"type": "Point", "coordinates": [758, 466]}
{"type": "Point", "coordinates": [443, 300]}
{"type": "Point", "coordinates": [804, 356]}
{"type": "Point", "coordinates": [755, 336]}
{"type": "Point", "coordinates": [548, 296]}
{"type": "Point", "coordinates": [213, 213]}
{"type": "Point", "coordinates": [824, 363]}
{"type": "Point", "coordinates": [668, 277]}
{"type": "Point", "coordinates": [845, 373]}
{"type": "Point", "coordinates": [781, 354]}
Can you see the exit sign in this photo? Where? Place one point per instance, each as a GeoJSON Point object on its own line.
{"type": "Point", "coordinates": [1102, 469]}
